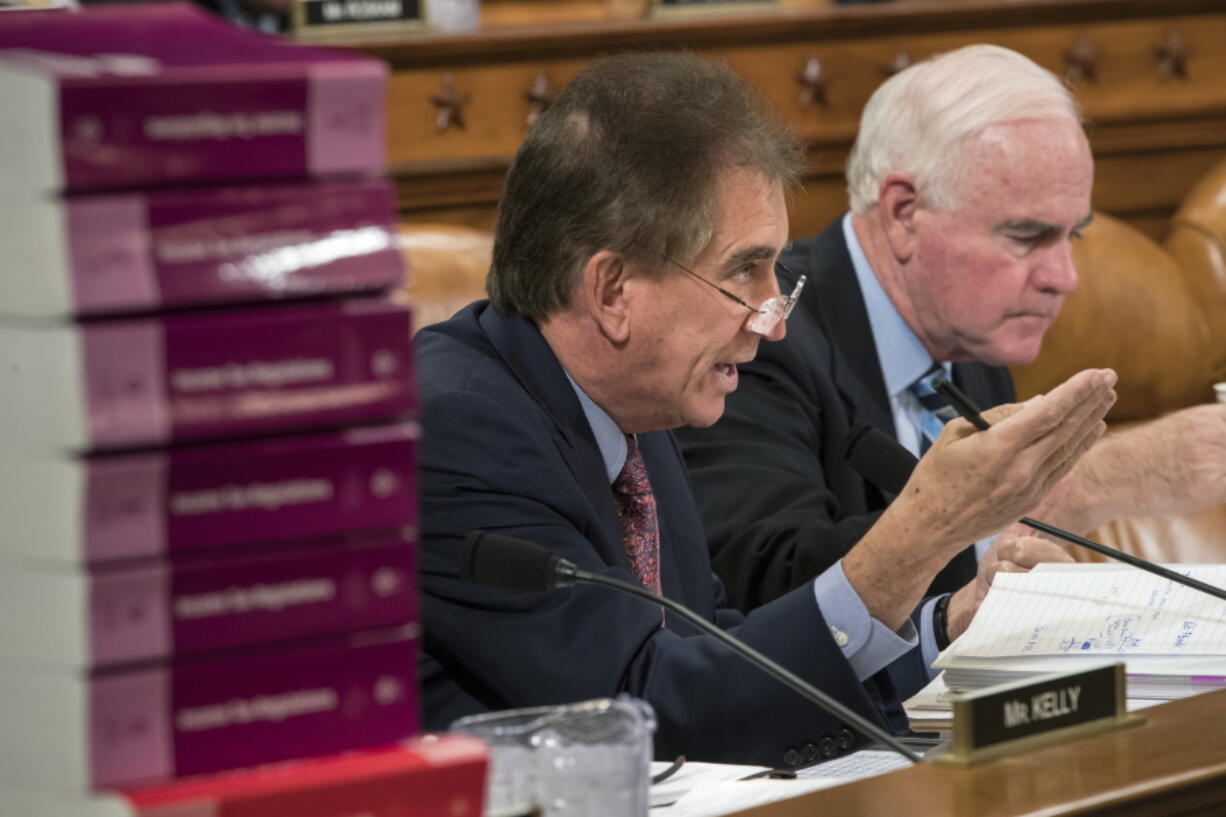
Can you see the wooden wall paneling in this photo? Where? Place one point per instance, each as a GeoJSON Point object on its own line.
{"type": "Point", "coordinates": [498, 13]}
{"type": "Point", "coordinates": [816, 204]}
{"type": "Point", "coordinates": [507, 13]}
{"type": "Point", "coordinates": [1129, 81]}
{"type": "Point", "coordinates": [1145, 188]}
{"type": "Point", "coordinates": [496, 114]}
{"type": "Point", "coordinates": [1152, 137]}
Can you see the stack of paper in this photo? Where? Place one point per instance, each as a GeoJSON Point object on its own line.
{"type": "Point", "coordinates": [1063, 619]}
{"type": "Point", "coordinates": [718, 789]}
{"type": "Point", "coordinates": [932, 708]}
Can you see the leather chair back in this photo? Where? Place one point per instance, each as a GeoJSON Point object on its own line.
{"type": "Point", "coordinates": [447, 266]}
{"type": "Point", "coordinates": [1197, 242]}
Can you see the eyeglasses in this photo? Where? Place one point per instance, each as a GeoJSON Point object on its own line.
{"type": "Point", "coordinates": [766, 317]}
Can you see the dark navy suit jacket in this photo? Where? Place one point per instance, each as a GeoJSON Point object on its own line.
{"type": "Point", "coordinates": [779, 500]}
{"type": "Point", "coordinates": [506, 447]}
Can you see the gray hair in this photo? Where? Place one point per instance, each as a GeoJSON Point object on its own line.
{"type": "Point", "coordinates": [627, 159]}
{"type": "Point", "coordinates": [919, 120]}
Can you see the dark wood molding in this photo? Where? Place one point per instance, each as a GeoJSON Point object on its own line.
{"type": "Point", "coordinates": [1167, 132]}
{"type": "Point", "coordinates": [472, 181]}
{"type": "Point", "coordinates": [527, 43]}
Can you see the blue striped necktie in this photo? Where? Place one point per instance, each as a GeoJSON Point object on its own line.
{"type": "Point", "coordinates": [936, 409]}
{"type": "Point", "coordinates": [935, 414]}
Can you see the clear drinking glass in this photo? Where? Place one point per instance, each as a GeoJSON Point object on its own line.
{"type": "Point", "coordinates": [589, 759]}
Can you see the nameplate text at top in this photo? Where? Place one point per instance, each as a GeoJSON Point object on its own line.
{"type": "Point", "coordinates": [1013, 718]}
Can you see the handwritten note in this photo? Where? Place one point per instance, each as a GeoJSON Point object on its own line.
{"type": "Point", "coordinates": [1099, 613]}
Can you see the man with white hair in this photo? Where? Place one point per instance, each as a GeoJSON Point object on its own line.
{"type": "Point", "coordinates": [970, 177]}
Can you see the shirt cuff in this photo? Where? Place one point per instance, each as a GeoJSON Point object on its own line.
{"type": "Point", "coordinates": [983, 545]}
{"type": "Point", "coordinates": [867, 644]}
{"type": "Point", "coordinates": [928, 637]}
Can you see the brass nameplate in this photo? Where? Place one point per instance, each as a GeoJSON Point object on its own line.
{"type": "Point", "coordinates": [341, 19]}
{"type": "Point", "coordinates": [1018, 717]}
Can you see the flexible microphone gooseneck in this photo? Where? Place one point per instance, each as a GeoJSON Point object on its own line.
{"type": "Point", "coordinates": [883, 461]}
{"type": "Point", "coordinates": [497, 560]}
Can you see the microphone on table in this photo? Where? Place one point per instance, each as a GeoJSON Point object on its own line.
{"type": "Point", "coordinates": [497, 560]}
{"type": "Point", "coordinates": [883, 461]}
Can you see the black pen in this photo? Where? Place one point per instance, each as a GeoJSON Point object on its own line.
{"type": "Point", "coordinates": [961, 403]}
{"type": "Point", "coordinates": [665, 774]}
{"type": "Point", "coordinates": [771, 774]}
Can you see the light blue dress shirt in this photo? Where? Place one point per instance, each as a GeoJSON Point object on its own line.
{"type": "Point", "coordinates": [903, 360]}
{"type": "Point", "coordinates": [902, 357]}
{"type": "Point", "coordinates": [868, 645]}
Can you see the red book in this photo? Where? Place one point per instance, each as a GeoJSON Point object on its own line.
{"type": "Point", "coordinates": [432, 776]}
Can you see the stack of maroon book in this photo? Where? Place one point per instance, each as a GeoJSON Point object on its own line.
{"type": "Point", "coordinates": [207, 435]}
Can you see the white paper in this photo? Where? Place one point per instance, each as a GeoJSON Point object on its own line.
{"type": "Point", "coordinates": [694, 775]}
{"type": "Point", "coordinates": [714, 789]}
{"type": "Point", "coordinates": [730, 796]}
{"type": "Point", "coordinates": [1098, 613]}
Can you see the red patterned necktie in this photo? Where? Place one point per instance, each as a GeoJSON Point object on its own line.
{"type": "Point", "coordinates": [636, 509]}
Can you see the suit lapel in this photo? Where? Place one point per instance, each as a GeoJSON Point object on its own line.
{"type": "Point", "coordinates": [524, 350]}
{"type": "Point", "coordinates": [839, 307]}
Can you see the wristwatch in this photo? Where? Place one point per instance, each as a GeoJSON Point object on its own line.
{"type": "Point", "coordinates": [940, 623]}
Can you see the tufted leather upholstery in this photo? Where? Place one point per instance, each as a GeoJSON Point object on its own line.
{"type": "Point", "coordinates": [1157, 315]}
{"type": "Point", "coordinates": [1197, 242]}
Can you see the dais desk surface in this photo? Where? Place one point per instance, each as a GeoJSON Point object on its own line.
{"type": "Point", "coordinates": [1174, 764]}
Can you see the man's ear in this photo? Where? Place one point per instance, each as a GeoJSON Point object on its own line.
{"type": "Point", "coordinates": [604, 294]}
{"type": "Point", "coordinates": [897, 204]}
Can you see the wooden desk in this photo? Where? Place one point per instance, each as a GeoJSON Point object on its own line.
{"type": "Point", "coordinates": [1154, 133]}
{"type": "Point", "coordinates": [1175, 764]}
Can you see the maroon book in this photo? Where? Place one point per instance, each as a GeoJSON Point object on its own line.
{"type": "Point", "coordinates": [166, 721]}
{"type": "Point", "coordinates": [138, 252]}
{"type": "Point", "coordinates": [254, 493]}
{"type": "Point", "coordinates": [145, 94]}
{"type": "Point", "coordinates": [153, 609]}
{"type": "Point", "coordinates": [204, 376]}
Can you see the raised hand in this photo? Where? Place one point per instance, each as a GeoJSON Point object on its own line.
{"type": "Point", "coordinates": [972, 484]}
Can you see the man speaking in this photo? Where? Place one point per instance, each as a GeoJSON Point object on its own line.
{"type": "Point", "coordinates": [634, 271]}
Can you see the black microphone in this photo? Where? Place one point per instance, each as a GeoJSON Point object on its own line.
{"type": "Point", "coordinates": [883, 461]}
{"type": "Point", "coordinates": [497, 560]}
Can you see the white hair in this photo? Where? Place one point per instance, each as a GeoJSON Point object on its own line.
{"type": "Point", "coordinates": [919, 120]}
